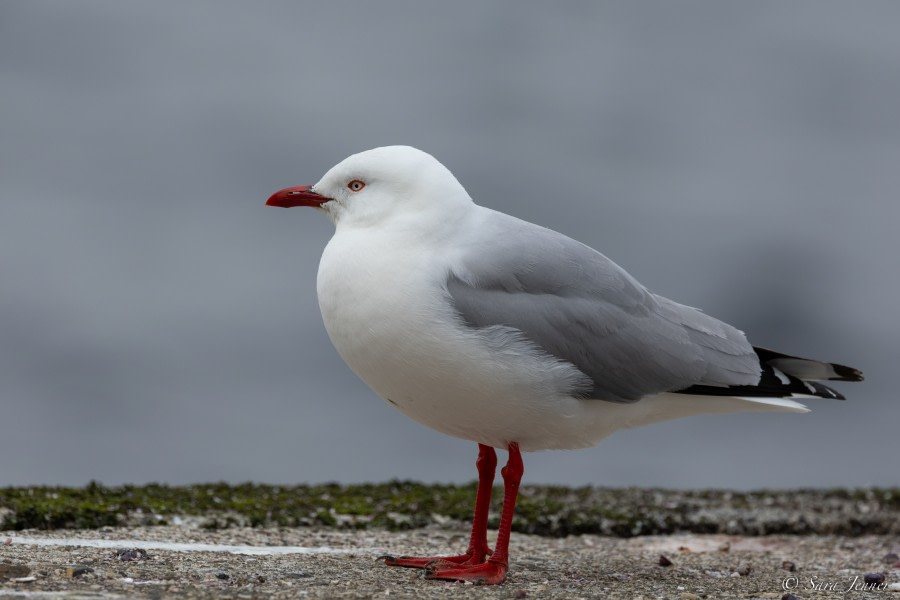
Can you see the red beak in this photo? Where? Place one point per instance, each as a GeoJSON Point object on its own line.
{"type": "Point", "coordinates": [301, 195]}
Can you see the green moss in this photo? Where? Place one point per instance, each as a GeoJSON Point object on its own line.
{"type": "Point", "coordinates": [326, 518]}
{"type": "Point", "coordinates": [543, 510]}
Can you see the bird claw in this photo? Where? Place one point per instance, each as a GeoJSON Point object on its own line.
{"type": "Point", "coordinates": [436, 562]}
{"type": "Point", "coordinates": [423, 562]}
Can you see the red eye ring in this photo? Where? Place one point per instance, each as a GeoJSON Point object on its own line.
{"type": "Point", "coordinates": [356, 185]}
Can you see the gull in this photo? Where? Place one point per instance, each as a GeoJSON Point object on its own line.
{"type": "Point", "coordinates": [496, 330]}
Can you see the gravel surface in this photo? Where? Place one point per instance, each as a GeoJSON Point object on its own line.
{"type": "Point", "coordinates": [582, 566]}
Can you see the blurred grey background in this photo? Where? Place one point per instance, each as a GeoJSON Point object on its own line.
{"type": "Point", "coordinates": [158, 323]}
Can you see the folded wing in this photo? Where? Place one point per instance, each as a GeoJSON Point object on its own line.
{"type": "Point", "coordinates": [576, 305]}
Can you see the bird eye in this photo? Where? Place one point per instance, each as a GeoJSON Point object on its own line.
{"type": "Point", "coordinates": [356, 185]}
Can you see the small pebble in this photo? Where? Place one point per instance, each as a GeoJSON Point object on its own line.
{"type": "Point", "coordinates": [78, 571]}
{"type": "Point", "coordinates": [8, 571]}
{"type": "Point", "coordinates": [788, 566]}
{"type": "Point", "coordinates": [789, 597]}
{"type": "Point", "coordinates": [222, 576]}
{"type": "Point", "coordinates": [891, 558]}
{"type": "Point", "coordinates": [133, 554]}
{"type": "Point", "coordinates": [664, 561]}
{"type": "Point", "coordinates": [298, 575]}
{"type": "Point", "coordinates": [8, 542]}
{"type": "Point", "coordinates": [684, 549]}
{"type": "Point", "coordinates": [874, 578]}
{"type": "Point", "coordinates": [745, 570]}
{"type": "Point", "coordinates": [689, 596]}
{"type": "Point", "coordinates": [521, 594]}
{"type": "Point", "coordinates": [725, 547]}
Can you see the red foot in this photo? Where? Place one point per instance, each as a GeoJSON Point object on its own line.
{"type": "Point", "coordinates": [487, 573]}
{"type": "Point", "coordinates": [423, 562]}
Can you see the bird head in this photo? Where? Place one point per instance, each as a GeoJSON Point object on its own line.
{"type": "Point", "coordinates": [383, 184]}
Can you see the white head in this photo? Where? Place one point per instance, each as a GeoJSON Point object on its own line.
{"type": "Point", "coordinates": [378, 186]}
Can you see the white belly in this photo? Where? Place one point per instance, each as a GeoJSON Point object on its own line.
{"type": "Point", "coordinates": [400, 335]}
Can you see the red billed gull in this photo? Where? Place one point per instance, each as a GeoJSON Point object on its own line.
{"type": "Point", "coordinates": [499, 331]}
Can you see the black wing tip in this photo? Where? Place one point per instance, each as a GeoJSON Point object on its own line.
{"type": "Point", "coordinates": [846, 373]}
{"type": "Point", "coordinates": [823, 391]}
{"type": "Point", "coordinates": [842, 372]}
{"type": "Point", "coordinates": [795, 389]}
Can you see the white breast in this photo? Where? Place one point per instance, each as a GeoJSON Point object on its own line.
{"type": "Point", "coordinates": [387, 312]}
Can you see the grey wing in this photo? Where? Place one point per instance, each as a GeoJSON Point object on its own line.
{"type": "Point", "coordinates": [578, 306]}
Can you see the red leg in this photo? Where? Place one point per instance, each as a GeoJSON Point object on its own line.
{"type": "Point", "coordinates": [494, 570]}
{"type": "Point", "coordinates": [487, 465]}
{"type": "Point", "coordinates": [478, 548]}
